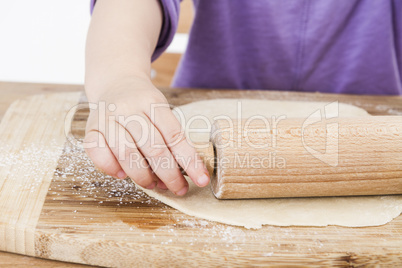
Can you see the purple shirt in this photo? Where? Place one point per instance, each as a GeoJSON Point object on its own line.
{"type": "Point", "coordinates": [340, 46]}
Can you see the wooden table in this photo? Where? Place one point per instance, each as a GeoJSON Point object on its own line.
{"type": "Point", "coordinates": [375, 105]}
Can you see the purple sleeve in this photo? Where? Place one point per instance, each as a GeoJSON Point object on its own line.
{"type": "Point", "coordinates": [171, 9]}
{"type": "Point", "coordinates": [92, 4]}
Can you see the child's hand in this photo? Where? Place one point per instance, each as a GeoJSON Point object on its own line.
{"type": "Point", "coordinates": [122, 38]}
{"type": "Point", "coordinates": [120, 139]}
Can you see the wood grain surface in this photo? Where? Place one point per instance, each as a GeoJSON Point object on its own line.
{"type": "Point", "coordinates": [90, 218]}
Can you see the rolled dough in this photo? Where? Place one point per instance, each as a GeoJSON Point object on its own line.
{"type": "Point", "coordinates": [342, 211]}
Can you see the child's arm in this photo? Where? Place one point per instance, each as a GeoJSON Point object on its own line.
{"type": "Point", "coordinates": [121, 40]}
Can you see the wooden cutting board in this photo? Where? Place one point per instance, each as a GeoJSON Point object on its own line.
{"type": "Point", "coordinates": [55, 205]}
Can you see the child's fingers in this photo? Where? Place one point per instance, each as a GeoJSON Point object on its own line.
{"type": "Point", "coordinates": [151, 144]}
{"type": "Point", "coordinates": [130, 158]}
{"type": "Point", "coordinates": [183, 152]}
{"type": "Point", "coordinates": [101, 156]}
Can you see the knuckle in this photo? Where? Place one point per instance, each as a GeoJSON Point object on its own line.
{"type": "Point", "coordinates": [175, 137]}
{"type": "Point", "coordinates": [156, 152]}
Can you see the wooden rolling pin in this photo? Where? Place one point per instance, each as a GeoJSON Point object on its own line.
{"type": "Point", "coordinates": [295, 158]}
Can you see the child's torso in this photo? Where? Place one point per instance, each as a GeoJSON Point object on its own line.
{"type": "Point", "coordinates": [343, 46]}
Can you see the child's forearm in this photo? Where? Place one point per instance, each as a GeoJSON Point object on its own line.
{"type": "Point", "coordinates": [121, 40]}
